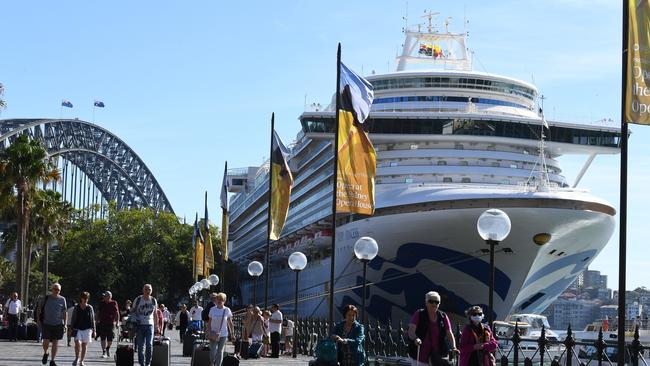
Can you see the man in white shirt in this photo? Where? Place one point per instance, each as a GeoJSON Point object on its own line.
{"type": "Point", "coordinates": [195, 317]}
{"type": "Point", "coordinates": [275, 327]}
{"type": "Point", "coordinates": [13, 307]}
{"type": "Point", "coordinates": [144, 307]}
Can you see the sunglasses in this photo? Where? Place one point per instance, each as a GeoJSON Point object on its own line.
{"type": "Point", "coordinates": [477, 314]}
{"type": "Point", "coordinates": [433, 302]}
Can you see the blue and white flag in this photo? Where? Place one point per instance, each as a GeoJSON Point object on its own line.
{"type": "Point", "coordinates": [99, 104]}
{"type": "Point", "coordinates": [66, 103]}
{"type": "Point", "coordinates": [361, 92]}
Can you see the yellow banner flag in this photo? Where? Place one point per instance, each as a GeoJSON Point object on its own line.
{"type": "Point", "coordinates": [637, 93]}
{"type": "Point", "coordinates": [281, 181]}
{"type": "Point", "coordinates": [357, 160]}
{"type": "Point", "coordinates": [198, 264]}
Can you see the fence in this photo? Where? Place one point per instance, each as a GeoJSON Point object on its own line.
{"type": "Point", "coordinates": [383, 341]}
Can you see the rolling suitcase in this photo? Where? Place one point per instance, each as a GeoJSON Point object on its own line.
{"type": "Point", "coordinates": [255, 350]}
{"type": "Point", "coordinates": [229, 360]}
{"type": "Point", "coordinates": [124, 355]}
{"type": "Point", "coordinates": [189, 339]}
{"type": "Point", "coordinates": [33, 333]}
{"type": "Point", "coordinates": [161, 352]}
{"type": "Point", "coordinates": [201, 354]}
{"type": "Point", "coordinates": [21, 331]}
{"type": "Point", "coordinates": [243, 349]}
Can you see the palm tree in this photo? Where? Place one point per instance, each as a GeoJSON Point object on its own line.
{"type": "Point", "coordinates": [23, 165]}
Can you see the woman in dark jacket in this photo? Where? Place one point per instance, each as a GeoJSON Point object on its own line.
{"type": "Point", "coordinates": [477, 343]}
{"type": "Point", "coordinates": [349, 336]}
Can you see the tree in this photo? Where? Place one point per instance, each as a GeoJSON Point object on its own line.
{"type": "Point", "coordinates": [50, 218]}
{"type": "Point", "coordinates": [124, 251]}
{"type": "Point", "coordinates": [23, 165]}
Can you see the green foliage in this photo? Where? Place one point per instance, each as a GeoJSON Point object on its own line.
{"type": "Point", "coordinates": [125, 251]}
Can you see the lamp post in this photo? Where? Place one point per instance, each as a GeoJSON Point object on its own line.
{"type": "Point", "coordinates": [255, 269]}
{"type": "Point", "coordinates": [297, 262]}
{"type": "Point", "coordinates": [198, 286]}
{"type": "Point", "coordinates": [493, 226]}
{"type": "Point", "coordinates": [365, 249]}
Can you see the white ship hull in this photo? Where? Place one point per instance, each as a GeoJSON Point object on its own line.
{"type": "Point", "coordinates": [439, 249]}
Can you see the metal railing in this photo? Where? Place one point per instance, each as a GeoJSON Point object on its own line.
{"type": "Point", "coordinates": [385, 342]}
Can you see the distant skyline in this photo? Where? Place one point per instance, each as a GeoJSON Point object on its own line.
{"type": "Point", "coordinates": [191, 85]}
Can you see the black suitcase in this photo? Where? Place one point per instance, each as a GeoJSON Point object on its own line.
{"type": "Point", "coordinates": [255, 350]}
{"type": "Point", "coordinates": [33, 333]}
{"type": "Point", "coordinates": [161, 352]}
{"type": "Point", "coordinates": [188, 343]}
{"type": "Point", "coordinates": [229, 360]}
{"type": "Point", "coordinates": [21, 331]}
{"type": "Point", "coordinates": [201, 354]}
{"type": "Point", "coordinates": [243, 349]}
{"type": "Point", "coordinates": [124, 355]}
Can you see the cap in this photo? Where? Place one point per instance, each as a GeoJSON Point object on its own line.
{"type": "Point", "coordinates": [107, 293]}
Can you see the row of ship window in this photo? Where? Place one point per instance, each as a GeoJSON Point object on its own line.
{"type": "Point", "coordinates": [439, 98]}
{"type": "Point", "coordinates": [471, 127]}
{"type": "Point", "coordinates": [495, 164]}
{"type": "Point", "coordinates": [454, 82]}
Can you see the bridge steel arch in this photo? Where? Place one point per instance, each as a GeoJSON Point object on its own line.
{"type": "Point", "coordinates": [114, 168]}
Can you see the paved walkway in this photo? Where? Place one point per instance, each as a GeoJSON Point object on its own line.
{"type": "Point", "coordinates": [25, 353]}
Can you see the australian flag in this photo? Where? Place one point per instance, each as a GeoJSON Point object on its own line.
{"type": "Point", "coordinates": [66, 103]}
{"type": "Point", "coordinates": [99, 104]}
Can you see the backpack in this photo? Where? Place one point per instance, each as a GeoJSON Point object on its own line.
{"type": "Point", "coordinates": [326, 350]}
{"type": "Point", "coordinates": [422, 329]}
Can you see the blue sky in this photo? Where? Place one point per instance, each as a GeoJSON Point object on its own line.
{"type": "Point", "coordinates": [191, 84]}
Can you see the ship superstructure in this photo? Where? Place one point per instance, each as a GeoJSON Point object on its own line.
{"type": "Point", "coordinates": [451, 143]}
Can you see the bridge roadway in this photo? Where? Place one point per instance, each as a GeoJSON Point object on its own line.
{"type": "Point", "coordinates": [23, 353]}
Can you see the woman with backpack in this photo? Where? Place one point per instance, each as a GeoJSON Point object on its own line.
{"type": "Point", "coordinates": [349, 337]}
{"type": "Point", "coordinates": [83, 325]}
{"type": "Point", "coordinates": [430, 334]}
{"type": "Point", "coordinates": [477, 343]}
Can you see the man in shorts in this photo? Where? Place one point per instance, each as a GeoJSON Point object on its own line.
{"type": "Point", "coordinates": [108, 316]}
{"type": "Point", "coordinates": [52, 320]}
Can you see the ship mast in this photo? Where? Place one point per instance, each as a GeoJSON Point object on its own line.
{"type": "Point", "coordinates": [540, 169]}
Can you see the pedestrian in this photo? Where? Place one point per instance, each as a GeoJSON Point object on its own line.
{"type": "Point", "coordinates": [166, 315]}
{"type": "Point", "coordinates": [257, 330]}
{"type": "Point", "coordinates": [182, 320]}
{"type": "Point", "coordinates": [288, 336]}
{"type": "Point", "coordinates": [127, 308]}
{"type": "Point", "coordinates": [108, 317]}
{"type": "Point", "coordinates": [158, 321]}
{"type": "Point", "coordinates": [12, 310]}
{"type": "Point", "coordinates": [144, 307]}
{"type": "Point", "coordinates": [53, 319]}
{"type": "Point", "coordinates": [219, 327]}
{"type": "Point", "coordinates": [477, 343]}
{"type": "Point", "coordinates": [430, 331]}
{"type": "Point", "coordinates": [70, 311]}
{"type": "Point", "coordinates": [83, 327]}
{"type": "Point", "coordinates": [266, 338]}
{"type": "Point", "coordinates": [195, 317]}
{"type": "Point", "coordinates": [349, 337]}
{"type": "Point", "coordinates": [275, 327]}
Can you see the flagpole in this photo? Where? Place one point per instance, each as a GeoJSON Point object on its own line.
{"type": "Point", "coordinates": [330, 317]}
{"type": "Point", "coordinates": [223, 262]}
{"type": "Point", "coordinates": [622, 232]}
{"type": "Point", "coordinates": [206, 270]}
{"type": "Point", "coordinates": [224, 229]}
{"type": "Point", "coordinates": [268, 219]}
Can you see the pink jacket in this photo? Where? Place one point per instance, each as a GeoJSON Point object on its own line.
{"type": "Point", "coordinates": [467, 342]}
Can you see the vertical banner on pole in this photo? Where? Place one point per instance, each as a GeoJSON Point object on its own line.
{"type": "Point", "coordinates": [637, 90]}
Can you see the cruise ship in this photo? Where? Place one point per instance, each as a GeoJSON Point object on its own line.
{"type": "Point", "coordinates": [451, 143]}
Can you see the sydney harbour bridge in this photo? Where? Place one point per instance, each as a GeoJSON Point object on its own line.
{"type": "Point", "coordinates": [96, 166]}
